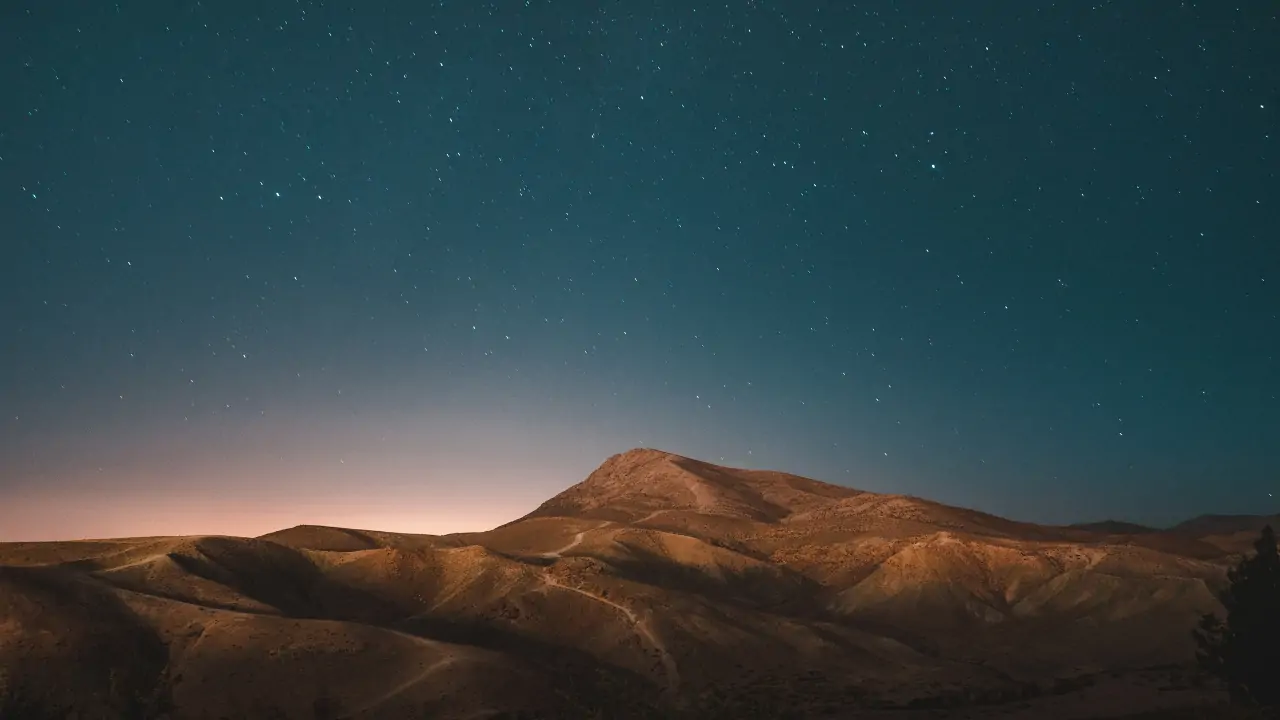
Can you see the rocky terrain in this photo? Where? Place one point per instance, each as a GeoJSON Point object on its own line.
{"type": "Point", "coordinates": [659, 587]}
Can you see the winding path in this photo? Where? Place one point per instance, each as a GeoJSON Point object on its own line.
{"type": "Point", "coordinates": [133, 563]}
{"type": "Point", "coordinates": [414, 680]}
{"type": "Point", "coordinates": [650, 516]}
{"type": "Point", "coordinates": [669, 667]}
{"type": "Point", "coordinates": [702, 495]}
{"type": "Point", "coordinates": [577, 540]}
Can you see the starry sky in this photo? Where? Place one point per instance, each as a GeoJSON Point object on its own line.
{"type": "Point", "coordinates": [420, 266]}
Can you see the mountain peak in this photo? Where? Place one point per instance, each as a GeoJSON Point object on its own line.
{"type": "Point", "coordinates": [637, 456]}
{"type": "Point", "coordinates": [626, 485]}
{"type": "Point", "coordinates": [643, 482]}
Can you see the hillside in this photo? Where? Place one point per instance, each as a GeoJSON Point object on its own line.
{"type": "Point", "coordinates": [659, 586]}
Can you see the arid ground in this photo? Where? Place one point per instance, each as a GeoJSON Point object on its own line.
{"type": "Point", "coordinates": [658, 587]}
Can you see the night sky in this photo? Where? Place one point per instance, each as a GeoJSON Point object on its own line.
{"type": "Point", "coordinates": [421, 267]}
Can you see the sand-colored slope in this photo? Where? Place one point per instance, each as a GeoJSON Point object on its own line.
{"type": "Point", "coordinates": [231, 627]}
{"type": "Point", "coordinates": [319, 537]}
{"type": "Point", "coordinates": [638, 484]}
{"type": "Point", "coordinates": [230, 664]}
{"type": "Point", "coordinates": [67, 642]}
{"type": "Point", "coordinates": [657, 584]}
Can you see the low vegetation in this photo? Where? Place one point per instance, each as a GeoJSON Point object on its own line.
{"type": "Point", "coordinates": [1243, 649]}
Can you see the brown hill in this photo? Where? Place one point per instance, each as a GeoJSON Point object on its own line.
{"type": "Point", "coordinates": [660, 586]}
{"type": "Point", "coordinates": [642, 483]}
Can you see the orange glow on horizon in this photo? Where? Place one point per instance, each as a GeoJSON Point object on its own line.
{"type": "Point", "coordinates": [33, 519]}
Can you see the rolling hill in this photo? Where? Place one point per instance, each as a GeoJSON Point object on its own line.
{"type": "Point", "coordinates": [659, 586]}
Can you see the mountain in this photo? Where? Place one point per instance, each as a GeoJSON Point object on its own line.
{"type": "Point", "coordinates": [1208, 525]}
{"type": "Point", "coordinates": [659, 586]}
{"type": "Point", "coordinates": [1115, 527]}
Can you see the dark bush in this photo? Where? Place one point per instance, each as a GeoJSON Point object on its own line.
{"type": "Point", "coordinates": [1244, 649]}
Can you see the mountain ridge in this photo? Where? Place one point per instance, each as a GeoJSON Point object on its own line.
{"type": "Point", "coordinates": [644, 461]}
{"type": "Point", "coordinates": [657, 584]}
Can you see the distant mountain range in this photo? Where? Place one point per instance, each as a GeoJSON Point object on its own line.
{"type": "Point", "coordinates": [1196, 527]}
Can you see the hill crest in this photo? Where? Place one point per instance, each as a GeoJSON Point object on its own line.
{"type": "Point", "coordinates": [645, 481]}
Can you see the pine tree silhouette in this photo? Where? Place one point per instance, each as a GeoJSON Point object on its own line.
{"type": "Point", "coordinates": [1244, 650]}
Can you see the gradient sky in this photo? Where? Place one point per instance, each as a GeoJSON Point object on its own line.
{"type": "Point", "coordinates": [419, 268]}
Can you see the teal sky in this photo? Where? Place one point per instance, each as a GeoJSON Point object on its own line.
{"type": "Point", "coordinates": [424, 267]}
